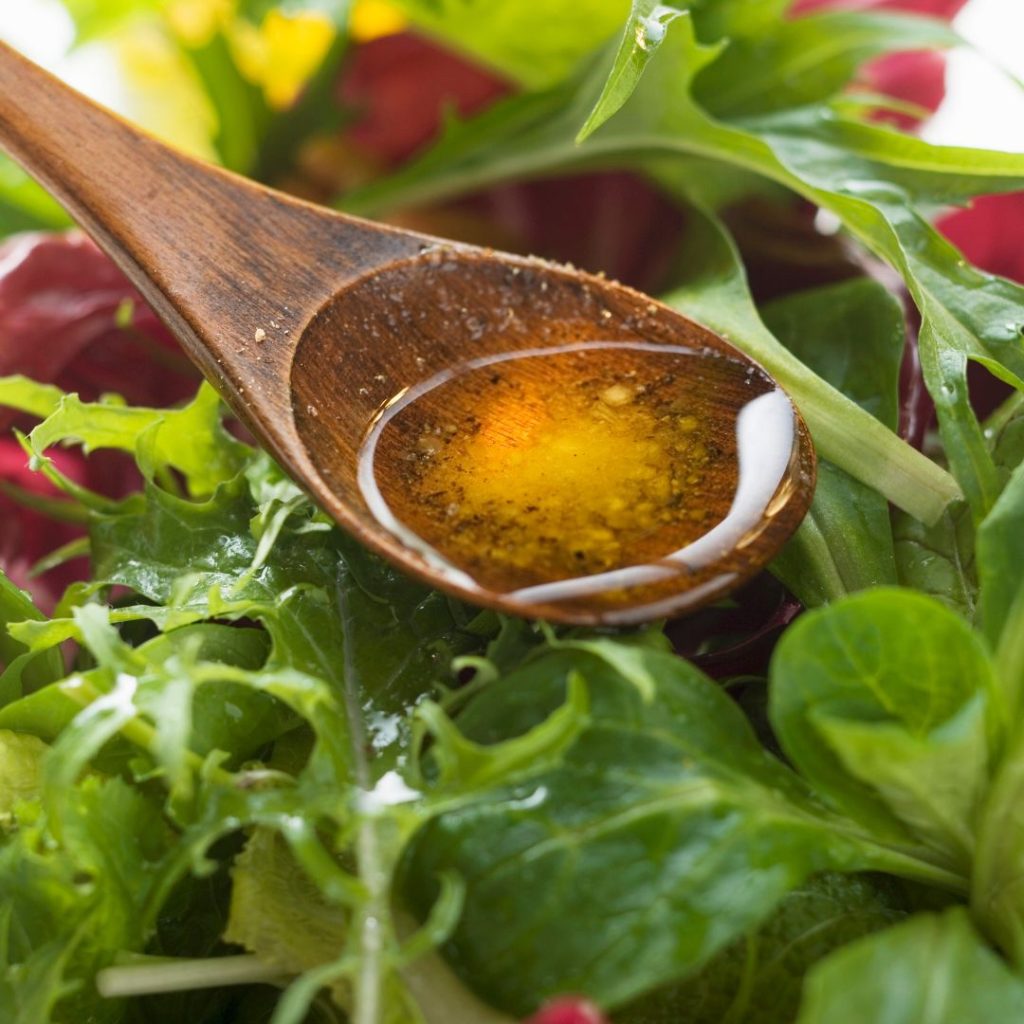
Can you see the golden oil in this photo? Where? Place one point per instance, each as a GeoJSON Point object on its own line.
{"type": "Point", "coordinates": [525, 469]}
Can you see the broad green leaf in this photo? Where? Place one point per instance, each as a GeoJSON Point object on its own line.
{"type": "Point", "coordinates": [766, 64]}
{"type": "Point", "coordinates": [931, 970]}
{"type": "Point", "coordinates": [644, 32]}
{"type": "Point", "coordinates": [20, 669]}
{"type": "Point", "coordinates": [852, 335]}
{"type": "Point", "coordinates": [1000, 569]}
{"type": "Point", "coordinates": [939, 560]}
{"type": "Point", "coordinates": [843, 544]}
{"type": "Point", "coordinates": [661, 834]}
{"type": "Point", "coordinates": [535, 46]}
{"type": "Point", "coordinates": [798, 61]}
{"type": "Point", "coordinates": [760, 977]}
{"type": "Point", "coordinates": [888, 703]}
{"type": "Point", "coordinates": [20, 772]}
{"type": "Point", "coordinates": [997, 895]}
{"type": "Point", "coordinates": [1004, 431]}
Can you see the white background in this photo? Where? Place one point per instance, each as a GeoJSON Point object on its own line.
{"type": "Point", "coordinates": [983, 107]}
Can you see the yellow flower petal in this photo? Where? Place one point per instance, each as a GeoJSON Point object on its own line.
{"type": "Point", "coordinates": [163, 94]}
{"type": "Point", "coordinates": [281, 53]}
{"type": "Point", "coordinates": [373, 18]}
{"type": "Point", "coordinates": [195, 21]}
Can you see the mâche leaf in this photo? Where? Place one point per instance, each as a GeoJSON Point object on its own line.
{"type": "Point", "coordinates": [931, 970]}
{"type": "Point", "coordinates": [939, 559]}
{"type": "Point", "coordinates": [1000, 556]}
{"type": "Point", "coordinates": [761, 976]}
{"type": "Point", "coordinates": [687, 834]}
{"type": "Point", "coordinates": [889, 703]}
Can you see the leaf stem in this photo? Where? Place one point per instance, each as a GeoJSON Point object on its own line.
{"type": "Point", "coordinates": [858, 443]}
{"type": "Point", "coordinates": [373, 916]}
{"type": "Point", "coordinates": [142, 734]}
{"type": "Point", "coordinates": [159, 975]}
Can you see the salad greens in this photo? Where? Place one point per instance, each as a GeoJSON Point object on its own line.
{"type": "Point", "coordinates": [249, 772]}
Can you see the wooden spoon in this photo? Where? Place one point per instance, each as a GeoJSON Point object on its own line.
{"type": "Point", "coordinates": [309, 323]}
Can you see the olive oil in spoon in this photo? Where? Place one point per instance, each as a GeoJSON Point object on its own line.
{"type": "Point", "coordinates": [583, 475]}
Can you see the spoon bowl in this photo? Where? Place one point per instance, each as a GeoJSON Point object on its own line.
{"type": "Point", "coordinates": [317, 328]}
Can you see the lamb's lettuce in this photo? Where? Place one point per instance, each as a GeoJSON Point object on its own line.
{"type": "Point", "coordinates": [890, 703]}
{"type": "Point", "coordinates": [664, 802]}
{"type": "Point", "coordinates": [760, 977]}
{"type": "Point", "coordinates": [933, 969]}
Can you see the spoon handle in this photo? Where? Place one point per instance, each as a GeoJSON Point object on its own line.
{"type": "Point", "coordinates": [223, 260]}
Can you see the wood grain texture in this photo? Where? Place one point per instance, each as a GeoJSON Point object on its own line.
{"type": "Point", "coordinates": [306, 320]}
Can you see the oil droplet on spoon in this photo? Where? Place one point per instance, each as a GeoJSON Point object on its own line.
{"type": "Point", "coordinates": [606, 472]}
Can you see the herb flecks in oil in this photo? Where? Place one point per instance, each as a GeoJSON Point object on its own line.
{"type": "Point", "coordinates": [558, 464]}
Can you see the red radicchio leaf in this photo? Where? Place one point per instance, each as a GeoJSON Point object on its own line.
{"type": "Point", "coordinates": [568, 1011]}
{"type": "Point", "coordinates": [917, 76]}
{"type": "Point", "coordinates": [59, 296]}
{"type": "Point", "coordinates": [403, 85]}
{"type": "Point", "coordinates": [58, 300]}
{"type": "Point", "coordinates": [945, 9]}
{"type": "Point", "coordinates": [988, 233]}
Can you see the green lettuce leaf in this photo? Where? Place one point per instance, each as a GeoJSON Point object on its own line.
{"type": "Point", "coordinates": [930, 970]}
{"type": "Point", "coordinates": [760, 977]}
{"type": "Point", "coordinates": [20, 669]}
{"type": "Point", "coordinates": [889, 703]}
{"type": "Point", "coordinates": [536, 47]}
{"type": "Point", "coordinates": [852, 334]}
{"type": "Point", "coordinates": [21, 770]}
{"type": "Point", "coordinates": [657, 837]}
{"type": "Point", "coordinates": [73, 898]}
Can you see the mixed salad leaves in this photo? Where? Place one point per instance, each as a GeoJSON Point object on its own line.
{"type": "Point", "coordinates": [250, 773]}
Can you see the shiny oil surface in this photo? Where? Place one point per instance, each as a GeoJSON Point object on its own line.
{"type": "Point", "coordinates": [580, 470]}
